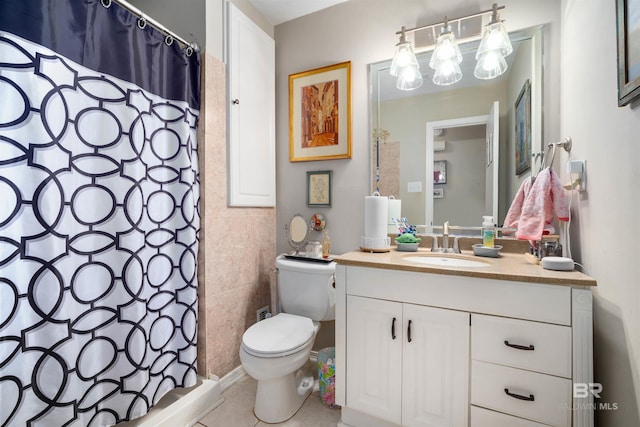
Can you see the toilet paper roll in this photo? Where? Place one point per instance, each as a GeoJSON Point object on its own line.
{"type": "Point", "coordinates": [395, 211]}
{"type": "Point", "coordinates": [375, 216]}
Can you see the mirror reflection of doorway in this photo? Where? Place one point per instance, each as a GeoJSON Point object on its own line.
{"type": "Point", "coordinates": [471, 189]}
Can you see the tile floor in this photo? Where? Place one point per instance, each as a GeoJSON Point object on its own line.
{"type": "Point", "coordinates": [237, 410]}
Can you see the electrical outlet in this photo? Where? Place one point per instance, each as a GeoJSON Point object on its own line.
{"type": "Point", "coordinates": [262, 313]}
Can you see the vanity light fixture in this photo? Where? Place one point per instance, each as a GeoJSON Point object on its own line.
{"type": "Point", "coordinates": [446, 57]}
{"type": "Point", "coordinates": [494, 46]}
{"type": "Point", "coordinates": [405, 65]}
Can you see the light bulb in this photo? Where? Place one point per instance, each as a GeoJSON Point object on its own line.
{"type": "Point", "coordinates": [446, 49]}
{"type": "Point", "coordinates": [495, 37]}
{"type": "Point", "coordinates": [403, 57]}
{"type": "Point", "coordinates": [447, 73]}
{"type": "Point", "coordinates": [490, 65]}
{"type": "Point", "coordinates": [410, 78]}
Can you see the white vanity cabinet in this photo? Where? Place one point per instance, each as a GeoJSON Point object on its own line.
{"type": "Point", "coordinates": [483, 351]}
{"type": "Point", "coordinates": [408, 364]}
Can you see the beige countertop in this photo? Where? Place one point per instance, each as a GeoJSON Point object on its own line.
{"type": "Point", "coordinates": [509, 266]}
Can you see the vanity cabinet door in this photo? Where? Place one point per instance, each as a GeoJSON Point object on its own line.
{"type": "Point", "coordinates": [374, 357]}
{"type": "Point", "coordinates": [435, 367]}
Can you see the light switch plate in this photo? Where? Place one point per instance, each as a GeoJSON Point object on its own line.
{"type": "Point", "coordinates": [414, 187]}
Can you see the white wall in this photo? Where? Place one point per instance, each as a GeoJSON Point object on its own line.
{"type": "Point", "coordinates": [604, 229]}
{"type": "Point", "coordinates": [363, 32]}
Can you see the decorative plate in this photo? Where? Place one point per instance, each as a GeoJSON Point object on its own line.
{"type": "Point", "coordinates": [318, 222]}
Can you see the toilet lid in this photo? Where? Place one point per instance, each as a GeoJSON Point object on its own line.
{"type": "Point", "coordinates": [278, 334]}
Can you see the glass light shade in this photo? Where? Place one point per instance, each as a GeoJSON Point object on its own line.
{"type": "Point", "coordinates": [446, 50]}
{"type": "Point", "coordinates": [447, 73]}
{"type": "Point", "coordinates": [490, 65]}
{"type": "Point", "coordinates": [403, 57]}
{"type": "Point", "coordinates": [495, 37]}
{"type": "Point", "coordinates": [409, 78]}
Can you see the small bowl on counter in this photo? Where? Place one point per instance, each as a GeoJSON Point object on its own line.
{"type": "Point", "coordinates": [407, 247]}
{"type": "Point", "coordinates": [480, 250]}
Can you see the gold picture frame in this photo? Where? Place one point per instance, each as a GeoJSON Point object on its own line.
{"type": "Point", "coordinates": [320, 114]}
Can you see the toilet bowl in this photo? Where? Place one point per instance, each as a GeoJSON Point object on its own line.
{"type": "Point", "coordinates": [273, 354]}
{"type": "Point", "coordinates": [274, 350]}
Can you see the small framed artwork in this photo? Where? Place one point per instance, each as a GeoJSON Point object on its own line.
{"type": "Point", "coordinates": [523, 129]}
{"type": "Point", "coordinates": [628, 20]}
{"type": "Point", "coordinates": [438, 193]}
{"type": "Point", "coordinates": [319, 189]}
{"type": "Point", "coordinates": [440, 172]}
{"type": "Point", "coordinates": [320, 114]}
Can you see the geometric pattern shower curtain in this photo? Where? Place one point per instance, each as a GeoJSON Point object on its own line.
{"type": "Point", "coordinates": [99, 214]}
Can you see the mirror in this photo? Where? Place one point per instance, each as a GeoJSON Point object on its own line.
{"type": "Point", "coordinates": [297, 232]}
{"type": "Point", "coordinates": [468, 126]}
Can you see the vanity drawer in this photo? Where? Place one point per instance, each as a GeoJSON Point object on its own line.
{"type": "Point", "coordinates": [481, 417]}
{"type": "Point", "coordinates": [534, 346]}
{"type": "Point", "coordinates": [550, 397]}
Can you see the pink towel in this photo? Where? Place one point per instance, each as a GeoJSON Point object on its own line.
{"type": "Point", "coordinates": [545, 198]}
{"type": "Point", "coordinates": [513, 216]}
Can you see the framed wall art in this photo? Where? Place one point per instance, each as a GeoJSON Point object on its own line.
{"type": "Point", "coordinates": [440, 172]}
{"type": "Point", "coordinates": [320, 114]}
{"type": "Point", "coordinates": [628, 20]}
{"type": "Point", "coordinates": [319, 189]}
{"type": "Point", "coordinates": [523, 129]}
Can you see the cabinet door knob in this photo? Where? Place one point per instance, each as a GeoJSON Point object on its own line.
{"type": "Point", "coordinates": [531, 398]}
{"type": "Point", "coordinates": [409, 332]}
{"type": "Point", "coordinates": [235, 101]}
{"type": "Point", "coordinates": [393, 329]}
{"type": "Point", "coordinates": [519, 347]}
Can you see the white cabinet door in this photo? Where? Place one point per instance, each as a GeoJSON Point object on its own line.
{"type": "Point", "coordinates": [435, 367]}
{"type": "Point", "coordinates": [374, 357]}
{"type": "Point", "coordinates": [251, 77]}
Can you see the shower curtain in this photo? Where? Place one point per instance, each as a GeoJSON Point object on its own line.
{"type": "Point", "coordinates": [99, 213]}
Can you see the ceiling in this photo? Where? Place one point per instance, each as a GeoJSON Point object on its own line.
{"type": "Point", "coordinates": [279, 11]}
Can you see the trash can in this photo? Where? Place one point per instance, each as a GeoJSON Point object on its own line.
{"type": "Point", "coordinates": [327, 376]}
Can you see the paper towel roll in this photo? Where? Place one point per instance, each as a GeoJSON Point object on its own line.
{"type": "Point", "coordinates": [394, 212]}
{"type": "Point", "coordinates": [375, 216]}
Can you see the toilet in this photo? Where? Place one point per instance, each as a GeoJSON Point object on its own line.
{"type": "Point", "coordinates": [273, 350]}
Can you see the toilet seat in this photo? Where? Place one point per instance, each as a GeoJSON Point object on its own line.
{"type": "Point", "coordinates": [278, 336]}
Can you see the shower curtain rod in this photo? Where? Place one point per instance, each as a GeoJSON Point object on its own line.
{"type": "Point", "coordinates": [148, 20]}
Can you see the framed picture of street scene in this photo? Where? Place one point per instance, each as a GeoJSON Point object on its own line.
{"type": "Point", "coordinates": [320, 114]}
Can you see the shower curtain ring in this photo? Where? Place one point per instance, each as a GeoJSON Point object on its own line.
{"type": "Point", "coordinates": [142, 22]}
{"type": "Point", "coordinates": [168, 40]}
{"type": "Point", "coordinates": [106, 3]}
{"type": "Point", "coordinates": [188, 51]}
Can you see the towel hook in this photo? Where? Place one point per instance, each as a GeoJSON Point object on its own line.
{"type": "Point", "coordinates": [564, 143]}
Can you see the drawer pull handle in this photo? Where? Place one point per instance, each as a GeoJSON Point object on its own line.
{"type": "Point", "coordinates": [531, 398]}
{"type": "Point", "coordinates": [393, 329]}
{"type": "Point", "coordinates": [409, 332]}
{"type": "Point", "coordinates": [519, 347]}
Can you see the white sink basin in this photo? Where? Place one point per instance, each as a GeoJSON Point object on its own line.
{"type": "Point", "coordinates": [445, 261]}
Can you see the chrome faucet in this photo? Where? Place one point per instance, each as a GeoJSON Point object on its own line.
{"type": "Point", "coordinates": [445, 242]}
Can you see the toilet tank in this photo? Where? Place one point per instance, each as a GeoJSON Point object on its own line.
{"type": "Point", "coordinates": [306, 288]}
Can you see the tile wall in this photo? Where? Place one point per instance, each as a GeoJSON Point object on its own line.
{"type": "Point", "coordinates": [237, 245]}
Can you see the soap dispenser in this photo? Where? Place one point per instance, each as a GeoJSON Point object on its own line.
{"type": "Point", "coordinates": [488, 232]}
